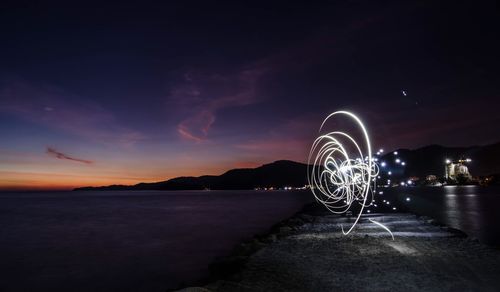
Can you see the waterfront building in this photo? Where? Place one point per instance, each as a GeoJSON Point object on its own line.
{"type": "Point", "coordinates": [457, 172]}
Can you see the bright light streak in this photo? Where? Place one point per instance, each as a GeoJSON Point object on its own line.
{"type": "Point", "coordinates": [383, 226]}
{"type": "Point", "coordinates": [338, 174]}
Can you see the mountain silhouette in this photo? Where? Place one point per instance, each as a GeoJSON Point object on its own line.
{"type": "Point", "coordinates": [419, 162]}
{"type": "Point", "coordinates": [277, 174]}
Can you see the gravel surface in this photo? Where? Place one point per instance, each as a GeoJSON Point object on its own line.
{"type": "Point", "coordinates": [309, 253]}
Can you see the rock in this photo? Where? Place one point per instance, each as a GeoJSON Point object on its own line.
{"type": "Point", "coordinates": [194, 289]}
{"type": "Point", "coordinates": [306, 218]}
{"type": "Point", "coordinates": [285, 230]}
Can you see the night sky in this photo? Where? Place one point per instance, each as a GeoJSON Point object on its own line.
{"type": "Point", "coordinates": [94, 93]}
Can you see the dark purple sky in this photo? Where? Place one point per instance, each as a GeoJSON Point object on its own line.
{"type": "Point", "coordinates": [94, 93]}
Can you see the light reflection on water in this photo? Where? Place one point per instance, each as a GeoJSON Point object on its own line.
{"type": "Point", "coordinates": [472, 209]}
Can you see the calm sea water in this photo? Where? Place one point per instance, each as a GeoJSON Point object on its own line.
{"type": "Point", "coordinates": [127, 241]}
{"type": "Point", "coordinates": [472, 209]}
{"type": "Point", "coordinates": [153, 241]}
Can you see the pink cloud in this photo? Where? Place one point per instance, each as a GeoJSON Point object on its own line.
{"type": "Point", "coordinates": [202, 96]}
{"type": "Point", "coordinates": [59, 155]}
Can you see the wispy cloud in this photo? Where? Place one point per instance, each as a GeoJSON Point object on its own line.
{"type": "Point", "coordinates": [57, 109]}
{"type": "Point", "coordinates": [201, 96]}
{"type": "Point", "coordinates": [59, 155]}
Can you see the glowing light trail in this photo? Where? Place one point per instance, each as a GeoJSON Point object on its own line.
{"type": "Point", "coordinates": [383, 226]}
{"type": "Point", "coordinates": [340, 173]}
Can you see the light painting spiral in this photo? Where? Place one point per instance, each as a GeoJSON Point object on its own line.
{"type": "Point", "coordinates": [341, 171]}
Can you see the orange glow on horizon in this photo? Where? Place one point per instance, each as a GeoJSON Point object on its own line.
{"type": "Point", "coordinates": [68, 179]}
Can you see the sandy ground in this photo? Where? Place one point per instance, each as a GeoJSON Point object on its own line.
{"type": "Point", "coordinates": [309, 253]}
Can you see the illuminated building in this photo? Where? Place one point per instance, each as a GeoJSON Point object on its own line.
{"type": "Point", "coordinates": [457, 171]}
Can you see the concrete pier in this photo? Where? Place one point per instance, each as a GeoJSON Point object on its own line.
{"type": "Point", "coordinates": [309, 253]}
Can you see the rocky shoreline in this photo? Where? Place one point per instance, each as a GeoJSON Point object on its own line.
{"type": "Point", "coordinates": [308, 252]}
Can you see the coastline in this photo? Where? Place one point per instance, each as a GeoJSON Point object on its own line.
{"type": "Point", "coordinates": [308, 252]}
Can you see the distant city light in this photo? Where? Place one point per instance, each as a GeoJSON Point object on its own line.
{"type": "Point", "coordinates": [395, 153]}
{"type": "Point", "coordinates": [409, 182]}
{"type": "Point", "coordinates": [389, 173]}
{"type": "Point", "coordinates": [383, 164]}
{"type": "Point", "coordinates": [402, 183]}
{"type": "Point", "coordinates": [468, 160]}
{"type": "Point", "coordinates": [381, 192]}
{"type": "Point", "coordinates": [398, 160]}
{"type": "Point", "coordinates": [407, 199]}
{"type": "Point", "coordinates": [381, 151]}
{"type": "Point", "coordinates": [448, 161]}
{"type": "Point", "coordinates": [394, 208]}
{"type": "Point", "coordinates": [403, 163]}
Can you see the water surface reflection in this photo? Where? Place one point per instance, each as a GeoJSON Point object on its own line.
{"type": "Point", "coordinates": [471, 209]}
